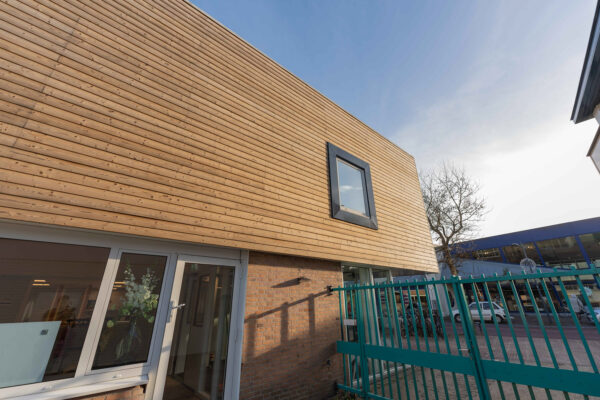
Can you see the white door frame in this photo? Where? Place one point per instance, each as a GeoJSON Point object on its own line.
{"type": "Point", "coordinates": [234, 355]}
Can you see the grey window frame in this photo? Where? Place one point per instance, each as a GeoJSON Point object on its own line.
{"type": "Point", "coordinates": [370, 220]}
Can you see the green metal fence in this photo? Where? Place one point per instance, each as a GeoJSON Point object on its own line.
{"type": "Point", "coordinates": [502, 337]}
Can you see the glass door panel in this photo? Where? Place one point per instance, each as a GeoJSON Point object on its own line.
{"type": "Point", "coordinates": [197, 362]}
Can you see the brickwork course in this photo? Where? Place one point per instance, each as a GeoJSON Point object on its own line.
{"type": "Point", "coordinates": [290, 328]}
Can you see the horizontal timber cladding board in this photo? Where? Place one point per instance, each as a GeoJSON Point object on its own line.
{"type": "Point", "coordinates": [121, 93]}
{"type": "Point", "coordinates": [149, 118]}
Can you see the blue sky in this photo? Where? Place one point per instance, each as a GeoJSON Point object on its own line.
{"type": "Point", "coordinates": [486, 85]}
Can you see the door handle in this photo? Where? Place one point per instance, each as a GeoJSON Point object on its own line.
{"type": "Point", "coordinates": [174, 307]}
{"type": "Point", "coordinates": [177, 307]}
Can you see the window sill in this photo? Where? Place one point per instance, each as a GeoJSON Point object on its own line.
{"type": "Point", "coordinates": [85, 390]}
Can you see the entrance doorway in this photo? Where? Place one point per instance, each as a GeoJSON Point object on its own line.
{"type": "Point", "coordinates": [198, 359]}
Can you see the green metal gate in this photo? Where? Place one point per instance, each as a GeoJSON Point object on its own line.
{"type": "Point", "coordinates": [508, 337]}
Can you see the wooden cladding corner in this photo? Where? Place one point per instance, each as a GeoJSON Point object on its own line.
{"type": "Point", "coordinates": [149, 118]}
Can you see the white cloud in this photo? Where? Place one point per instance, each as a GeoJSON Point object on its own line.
{"type": "Point", "coordinates": [508, 125]}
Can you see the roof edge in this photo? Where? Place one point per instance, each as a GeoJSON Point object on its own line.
{"type": "Point", "coordinates": [584, 73]}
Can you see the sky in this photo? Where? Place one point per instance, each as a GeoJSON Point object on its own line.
{"type": "Point", "coordinates": [487, 86]}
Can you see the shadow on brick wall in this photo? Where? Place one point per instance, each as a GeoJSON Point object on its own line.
{"type": "Point", "coordinates": [302, 367]}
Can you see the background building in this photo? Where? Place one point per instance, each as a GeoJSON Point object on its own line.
{"type": "Point", "coordinates": [573, 244]}
{"type": "Point", "coordinates": [564, 245]}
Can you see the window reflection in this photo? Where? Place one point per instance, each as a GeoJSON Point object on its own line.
{"type": "Point", "coordinates": [591, 244]}
{"type": "Point", "coordinates": [198, 361]}
{"type": "Point", "coordinates": [127, 329]}
{"type": "Point", "coordinates": [514, 254]}
{"type": "Point", "coordinates": [562, 252]}
{"type": "Point", "coordinates": [47, 296]}
{"type": "Point", "coordinates": [488, 255]}
{"type": "Point", "coordinates": [351, 187]}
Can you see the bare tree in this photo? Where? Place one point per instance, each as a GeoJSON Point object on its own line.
{"type": "Point", "coordinates": [453, 207]}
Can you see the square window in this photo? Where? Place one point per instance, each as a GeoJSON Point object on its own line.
{"type": "Point", "coordinates": [350, 188]}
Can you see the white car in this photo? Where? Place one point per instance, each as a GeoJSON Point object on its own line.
{"type": "Point", "coordinates": [588, 316]}
{"type": "Point", "coordinates": [485, 312]}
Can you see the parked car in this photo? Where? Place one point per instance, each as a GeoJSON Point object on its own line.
{"type": "Point", "coordinates": [588, 316]}
{"type": "Point", "coordinates": [485, 311]}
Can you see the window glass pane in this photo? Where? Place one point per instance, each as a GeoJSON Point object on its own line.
{"type": "Point", "coordinates": [47, 295]}
{"type": "Point", "coordinates": [591, 244]}
{"type": "Point", "coordinates": [198, 361]}
{"type": "Point", "coordinates": [127, 329]}
{"type": "Point", "coordinates": [351, 186]}
{"type": "Point", "coordinates": [514, 254]}
{"type": "Point", "coordinates": [381, 276]}
{"type": "Point", "coordinates": [488, 255]}
{"type": "Point", "coordinates": [562, 252]}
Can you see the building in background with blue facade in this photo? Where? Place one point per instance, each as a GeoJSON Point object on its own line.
{"type": "Point", "coordinates": [572, 244]}
{"type": "Point", "coordinates": [565, 245]}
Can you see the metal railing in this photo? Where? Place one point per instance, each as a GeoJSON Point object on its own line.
{"type": "Point", "coordinates": [515, 336]}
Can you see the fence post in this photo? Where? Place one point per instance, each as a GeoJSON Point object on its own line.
{"type": "Point", "coordinates": [360, 322]}
{"type": "Point", "coordinates": [470, 338]}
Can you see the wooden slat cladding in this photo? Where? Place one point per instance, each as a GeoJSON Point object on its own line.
{"type": "Point", "coordinates": [149, 118]}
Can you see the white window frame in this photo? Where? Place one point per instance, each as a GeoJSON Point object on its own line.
{"type": "Point", "coordinates": [234, 359]}
{"type": "Point", "coordinates": [87, 381]}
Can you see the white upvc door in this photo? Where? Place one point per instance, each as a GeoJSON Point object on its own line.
{"type": "Point", "coordinates": [177, 306]}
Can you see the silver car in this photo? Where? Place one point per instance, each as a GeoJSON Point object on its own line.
{"type": "Point", "coordinates": [486, 312]}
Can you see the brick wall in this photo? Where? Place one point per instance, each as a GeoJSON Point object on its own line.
{"type": "Point", "coordinates": [290, 328]}
{"type": "Point", "coordinates": [134, 393]}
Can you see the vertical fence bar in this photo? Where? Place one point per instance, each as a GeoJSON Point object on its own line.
{"type": "Point", "coordinates": [379, 362]}
{"type": "Point", "coordinates": [526, 326]}
{"type": "Point", "coordinates": [457, 339]}
{"type": "Point", "coordinates": [498, 333]}
{"type": "Point", "coordinates": [387, 306]}
{"type": "Point", "coordinates": [559, 325]}
{"type": "Point", "coordinates": [484, 329]}
{"type": "Point", "coordinates": [425, 338]}
{"type": "Point", "coordinates": [407, 329]}
{"type": "Point", "coordinates": [364, 366]}
{"type": "Point", "coordinates": [399, 339]}
{"type": "Point", "coordinates": [354, 371]}
{"type": "Point", "coordinates": [586, 299]}
{"type": "Point", "coordinates": [416, 329]}
{"type": "Point", "coordinates": [578, 326]}
{"type": "Point", "coordinates": [561, 331]}
{"type": "Point", "coordinates": [467, 323]}
{"type": "Point", "coordinates": [449, 351]}
{"type": "Point", "coordinates": [542, 327]}
{"type": "Point", "coordinates": [432, 317]}
{"type": "Point", "coordinates": [368, 319]}
{"type": "Point", "coordinates": [512, 331]}
{"type": "Point", "coordinates": [342, 319]}
{"type": "Point", "coordinates": [387, 365]}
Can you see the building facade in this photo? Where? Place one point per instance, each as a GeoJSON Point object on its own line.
{"type": "Point", "coordinates": [174, 206]}
{"type": "Point", "coordinates": [572, 244]}
{"type": "Point", "coordinates": [587, 101]}
{"type": "Point", "coordinates": [569, 245]}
